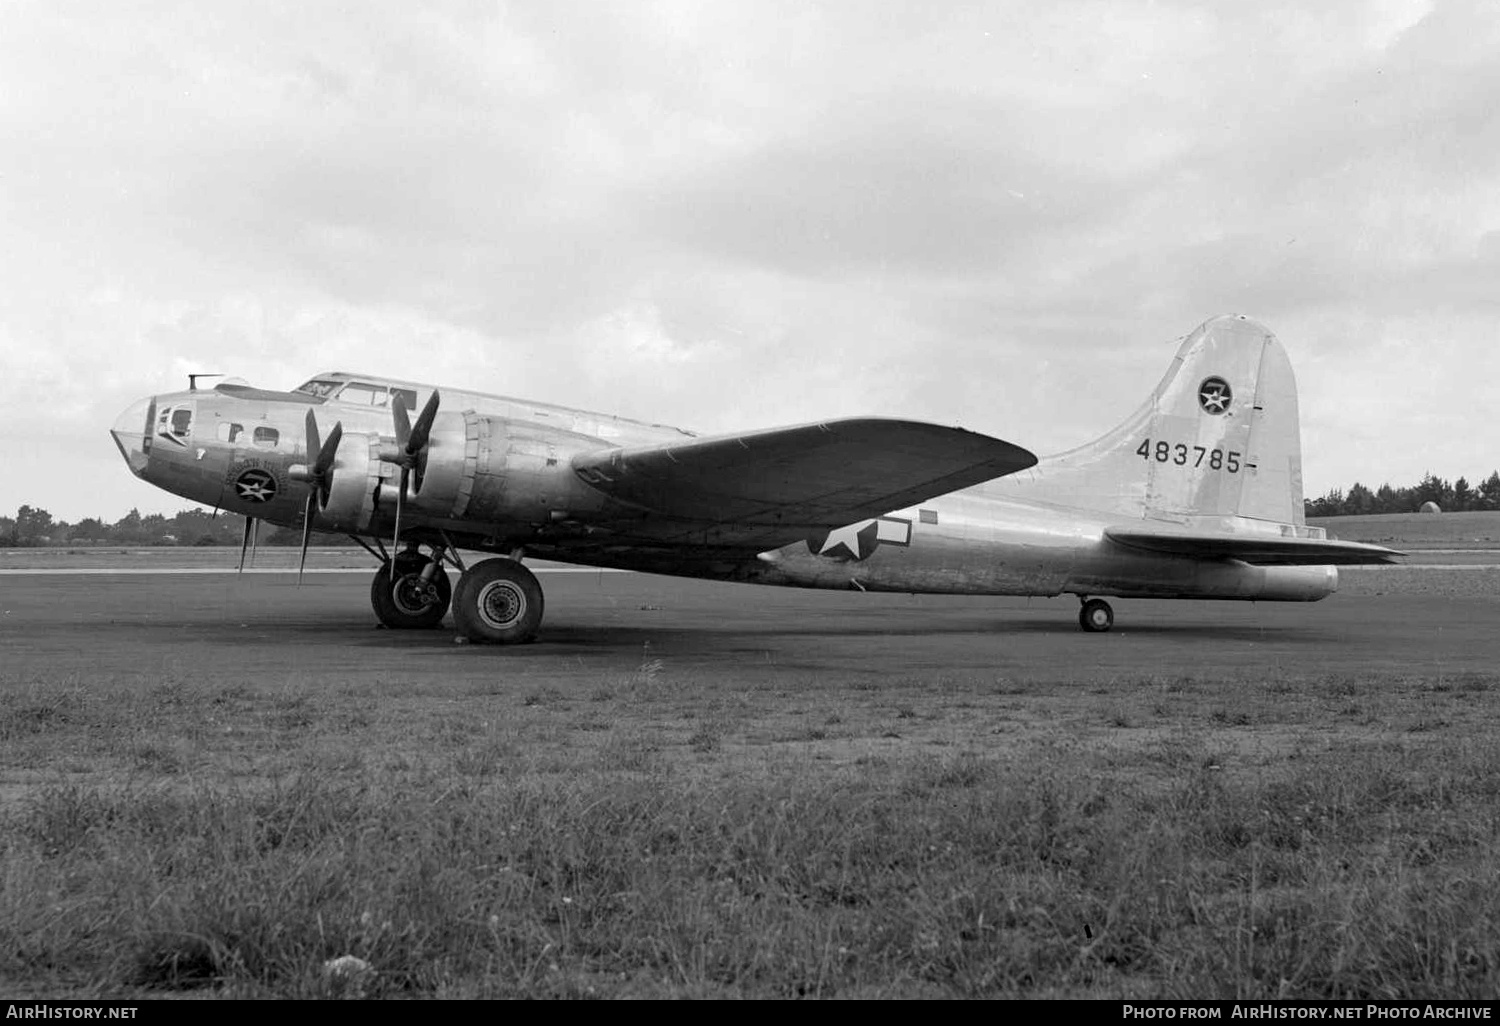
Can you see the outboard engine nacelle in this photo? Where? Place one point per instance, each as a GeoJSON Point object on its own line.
{"type": "Point", "coordinates": [351, 494]}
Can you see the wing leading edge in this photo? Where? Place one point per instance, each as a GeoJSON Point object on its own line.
{"type": "Point", "coordinates": [1256, 549]}
{"type": "Point", "coordinates": [771, 487]}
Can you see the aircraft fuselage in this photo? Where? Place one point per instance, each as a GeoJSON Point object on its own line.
{"type": "Point", "coordinates": [499, 480]}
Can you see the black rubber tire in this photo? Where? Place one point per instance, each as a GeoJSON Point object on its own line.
{"type": "Point", "coordinates": [399, 604]}
{"type": "Point", "coordinates": [498, 602]}
{"type": "Point", "coordinates": [1096, 616]}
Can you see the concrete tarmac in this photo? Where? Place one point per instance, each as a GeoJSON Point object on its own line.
{"type": "Point", "coordinates": [264, 628]}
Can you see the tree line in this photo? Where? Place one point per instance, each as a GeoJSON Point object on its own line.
{"type": "Point", "coordinates": [33, 526]}
{"type": "Point", "coordinates": [1458, 497]}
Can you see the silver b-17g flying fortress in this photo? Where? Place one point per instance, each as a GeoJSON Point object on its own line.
{"type": "Point", "coordinates": [1197, 495]}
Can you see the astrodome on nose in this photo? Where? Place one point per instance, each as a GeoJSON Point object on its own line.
{"type": "Point", "coordinates": [129, 433]}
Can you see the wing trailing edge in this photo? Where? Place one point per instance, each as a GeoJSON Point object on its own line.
{"type": "Point", "coordinates": [1260, 550]}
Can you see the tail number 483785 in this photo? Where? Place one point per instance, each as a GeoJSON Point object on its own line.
{"type": "Point", "coordinates": [1183, 455]}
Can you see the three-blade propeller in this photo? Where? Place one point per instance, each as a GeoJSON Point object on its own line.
{"type": "Point", "coordinates": [319, 478]}
{"type": "Point", "coordinates": [410, 453]}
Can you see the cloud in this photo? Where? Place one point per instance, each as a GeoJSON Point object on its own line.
{"type": "Point", "coordinates": [728, 215]}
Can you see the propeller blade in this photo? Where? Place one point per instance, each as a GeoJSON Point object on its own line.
{"type": "Point", "coordinates": [310, 512]}
{"type": "Point", "coordinates": [418, 472]}
{"type": "Point", "coordinates": [323, 470]}
{"type": "Point", "coordinates": [330, 450]}
{"type": "Point", "coordinates": [254, 539]}
{"type": "Point", "coordinates": [400, 505]}
{"type": "Point", "coordinates": [245, 543]}
{"type": "Point", "coordinates": [320, 458]}
{"type": "Point", "coordinates": [423, 427]}
{"type": "Point", "coordinates": [313, 444]}
{"type": "Point", "coordinates": [403, 424]}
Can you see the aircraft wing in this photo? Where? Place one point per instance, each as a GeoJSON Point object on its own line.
{"type": "Point", "coordinates": [769, 488]}
{"type": "Point", "coordinates": [1261, 550]}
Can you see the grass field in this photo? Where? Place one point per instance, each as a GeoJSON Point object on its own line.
{"type": "Point", "coordinates": [1416, 531]}
{"type": "Point", "coordinates": [653, 836]}
{"type": "Point", "coordinates": [765, 826]}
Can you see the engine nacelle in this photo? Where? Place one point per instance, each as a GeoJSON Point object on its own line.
{"type": "Point", "coordinates": [351, 496]}
{"type": "Point", "coordinates": [500, 472]}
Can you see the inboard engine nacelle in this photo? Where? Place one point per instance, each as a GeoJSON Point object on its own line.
{"type": "Point", "coordinates": [491, 469]}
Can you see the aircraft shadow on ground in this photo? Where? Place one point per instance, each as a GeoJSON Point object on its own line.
{"type": "Point", "coordinates": [1210, 631]}
{"type": "Point", "coordinates": [583, 636]}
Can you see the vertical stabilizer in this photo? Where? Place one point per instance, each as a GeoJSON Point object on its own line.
{"type": "Point", "coordinates": [1219, 436]}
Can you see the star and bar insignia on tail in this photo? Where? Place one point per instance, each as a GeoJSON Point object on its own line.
{"type": "Point", "coordinates": [860, 540]}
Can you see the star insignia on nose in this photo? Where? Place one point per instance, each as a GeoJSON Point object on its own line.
{"type": "Point", "coordinates": [1214, 395]}
{"type": "Point", "coordinates": [255, 486]}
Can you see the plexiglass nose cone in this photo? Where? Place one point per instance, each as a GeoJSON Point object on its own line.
{"type": "Point", "coordinates": [129, 434]}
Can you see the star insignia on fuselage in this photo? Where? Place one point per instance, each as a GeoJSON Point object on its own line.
{"type": "Point", "coordinates": [1214, 395]}
{"type": "Point", "coordinates": [856, 541]}
{"type": "Point", "coordinates": [859, 541]}
{"type": "Point", "coordinates": [255, 485]}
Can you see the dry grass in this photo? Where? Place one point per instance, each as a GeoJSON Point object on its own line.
{"type": "Point", "coordinates": [652, 834]}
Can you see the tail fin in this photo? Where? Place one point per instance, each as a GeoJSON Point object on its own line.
{"type": "Point", "coordinates": [1219, 436]}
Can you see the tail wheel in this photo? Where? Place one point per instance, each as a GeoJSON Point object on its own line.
{"type": "Point", "coordinates": [498, 602]}
{"type": "Point", "coordinates": [1096, 616]}
{"type": "Point", "coordinates": [403, 601]}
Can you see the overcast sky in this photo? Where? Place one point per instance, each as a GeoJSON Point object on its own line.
{"type": "Point", "coordinates": [737, 215]}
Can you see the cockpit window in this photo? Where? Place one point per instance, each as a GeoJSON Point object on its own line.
{"type": "Point", "coordinates": [361, 393]}
{"type": "Point", "coordinates": [364, 394]}
{"type": "Point", "coordinates": [321, 389]}
{"type": "Point", "coordinates": [267, 437]}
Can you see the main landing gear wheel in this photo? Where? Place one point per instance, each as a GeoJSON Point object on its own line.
{"type": "Point", "coordinates": [498, 602]}
{"type": "Point", "coordinates": [1096, 616]}
{"type": "Point", "coordinates": [403, 600]}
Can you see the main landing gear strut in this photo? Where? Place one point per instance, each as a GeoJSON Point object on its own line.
{"type": "Point", "coordinates": [1095, 616]}
{"type": "Point", "coordinates": [497, 601]}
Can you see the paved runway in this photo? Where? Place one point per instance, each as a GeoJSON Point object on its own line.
{"type": "Point", "coordinates": [263, 627]}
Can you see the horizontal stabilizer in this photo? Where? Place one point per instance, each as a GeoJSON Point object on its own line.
{"type": "Point", "coordinates": [1261, 550]}
{"type": "Point", "coordinates": [791, 480]}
